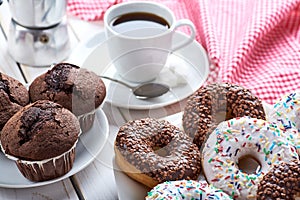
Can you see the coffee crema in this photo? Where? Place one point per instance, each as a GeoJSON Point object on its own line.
{"type": "Point", "coordinates": [138, 20]}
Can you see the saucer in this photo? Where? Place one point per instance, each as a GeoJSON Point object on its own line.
{"type": "Point", "coordinates": [186, 70]}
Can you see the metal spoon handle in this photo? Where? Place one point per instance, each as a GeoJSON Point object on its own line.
{"type": "Point", "coordinates": [117, 81]}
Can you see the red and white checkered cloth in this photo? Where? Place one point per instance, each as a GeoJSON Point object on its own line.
{"type": "Point", "coordinates": [253, 43]}
{"type": "Point", "coordinates": [90, 9]}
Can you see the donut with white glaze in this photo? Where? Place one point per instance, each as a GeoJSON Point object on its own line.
{"type": "Point", "coordinates": [187, 190]}
{"type": "Point", "coordinates": [217, 102]}
{"type": "Point", "coordinates": [153, 151]}
{"type": "Point", "coordinates": [286, 114]}
{"type": "Point", "coordinates": [240, 138]}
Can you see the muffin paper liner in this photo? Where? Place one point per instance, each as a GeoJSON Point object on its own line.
{"type": "Point", "coordinates": [45, 169]}
{"type": "Point", "coordinates": [86, 121]}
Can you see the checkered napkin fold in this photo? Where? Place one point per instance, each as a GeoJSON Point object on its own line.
{"type": "Point", "coordinates": [253, 43]}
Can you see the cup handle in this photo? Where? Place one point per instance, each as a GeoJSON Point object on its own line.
{"type": "Point", "coordinates": [185, 22]}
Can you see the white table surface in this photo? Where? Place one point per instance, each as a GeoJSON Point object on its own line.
{"type": "Point", "coordinates": [97, 180]}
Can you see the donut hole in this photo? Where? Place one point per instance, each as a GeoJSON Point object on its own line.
{"type": "Point", "coordinates": [249, 164]}
{"type": "Point", "coordinates": [161, 151]}
{"type": "Point", "coordinates": [221, 116]}
{"type": "Point", "coordinates": [223, 112]}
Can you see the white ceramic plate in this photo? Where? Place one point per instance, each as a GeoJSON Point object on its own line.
{"type": "Point", "coordinates": [190, 64]}
{"type": "Point", "coordinates": [88, 147]}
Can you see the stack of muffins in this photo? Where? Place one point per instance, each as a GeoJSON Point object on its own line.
{"type": "Point", "coordinates": [41, 127]}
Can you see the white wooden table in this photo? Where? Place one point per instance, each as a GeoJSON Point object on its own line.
{"type": "Point", "coordinates": [96, 181]}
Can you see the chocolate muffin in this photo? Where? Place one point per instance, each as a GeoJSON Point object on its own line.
{"type": "Point", "coordinates": [77, 89]}
{"type": "Point", "coordinates": [13, 96]}
{"type": "Point", "coordinates": [41, 138]}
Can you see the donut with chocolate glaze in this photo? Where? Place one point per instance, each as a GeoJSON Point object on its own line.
{"type": "Point", "coordinates": [215, 103]}
{"type": "Point", "coordinates": [154, 151]}
{"type": "Point", "coordinates": [281, 182]}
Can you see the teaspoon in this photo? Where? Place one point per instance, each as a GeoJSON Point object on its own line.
{"type": "Point", "coordinates": [144, 90]}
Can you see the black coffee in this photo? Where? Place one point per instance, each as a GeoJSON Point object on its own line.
{"type": "Point", "coordinates": [138, 20]}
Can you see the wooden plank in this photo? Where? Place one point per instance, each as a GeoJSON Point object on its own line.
{"type": "Point", "coordinates": [97, 181]}
{"type": "Point", "coordinates": [153, 113]}
{"type": "Point", "coordinates": [60, 190]}
{"type": "Point", "coordinates": [84, 29]}
{"type": "Point", "coordinates": [5, 16]}
{"type": "Point", "coordinates": [7, 64]}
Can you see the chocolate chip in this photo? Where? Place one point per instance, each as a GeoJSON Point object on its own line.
{"type": "Point", "coordinates": [33, 119]}
{"type": "Point", "coordinates": [57, 77]}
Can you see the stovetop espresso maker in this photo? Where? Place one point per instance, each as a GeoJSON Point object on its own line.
{"type": "Point", "coordinates": [38, 32]}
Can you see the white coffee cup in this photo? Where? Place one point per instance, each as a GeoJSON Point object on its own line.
{"type": "Point", "coordinates": [139, 38]}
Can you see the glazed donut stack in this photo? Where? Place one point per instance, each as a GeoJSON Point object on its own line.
{"type": "Point", "coordinates": [223, 124]}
